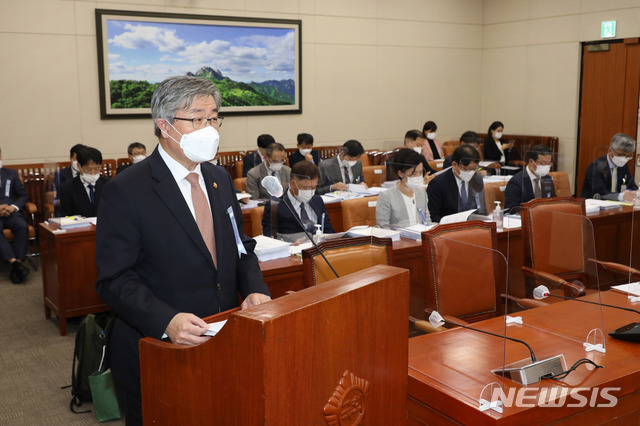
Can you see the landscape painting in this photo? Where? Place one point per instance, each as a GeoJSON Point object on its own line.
{"type": "Point", "coordinates": [254, 62]}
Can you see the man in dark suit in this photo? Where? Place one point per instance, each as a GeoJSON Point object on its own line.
{"type": "Point", "coordinates": [458, 189]}
{"type": "Point", "coordinates": [305, 151]}
{"type": "Point", "coordinates": [169, 247]}
{"type": "Point", "coordinates": [254, 158]}
{"type": "Point", "coordinates": [73, 170]}
{"type": "Point", "coordinates": [13, 197]}
{"type": "Point", "coordinates": [136, 153]}
{"type": "Point", "coordinates": [302, 199]}
{"type": "Point", "coordinates": [532, 182]}
{"type": "Point", "coordinates": [345, 168]}
{"type": "Point", "coordinates": [609, 175]}
{"type": "Point", "coordinates": [81, 195]}
{"type": "Point", "coordinates": [273, 165]}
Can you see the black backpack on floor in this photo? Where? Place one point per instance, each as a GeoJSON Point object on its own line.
{"type": "Point", "coordinates": [91, 338]}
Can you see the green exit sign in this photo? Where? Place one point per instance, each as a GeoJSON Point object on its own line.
{"type": "Point", "coordinates": [608, 29]}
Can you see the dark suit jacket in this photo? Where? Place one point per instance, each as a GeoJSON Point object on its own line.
{"type": "Point", "coordinates": [519, 190]}
{"type": "Point", "coordinates": [74, 199]}
{"type": "Point", "coordinates": [444, 198]}
{"type": "Point", "coordinates": [122, 168]}
{"type": "Point", "coordinates": [331, 172]}
{"type": "Point", "coordinates": [16, 194]}
{"type": "Point", "coordinates": [153, 262]}
{"type": "Point", "coordinates": [286, 223]}
{"type": "Point", "coordinates": [597, 180]}
{"type": "Point", "coordinates": [492, 152]}
{"type": "Point", "coordinates": [250, 161]}
{"type": "Point", "coordinates": [296, 157]}
{"type": "Point", "coordinates": [65, 175]}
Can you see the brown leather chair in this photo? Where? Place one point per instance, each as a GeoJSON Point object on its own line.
{"type": "Point", "coordinates": [449, 146]}
{"type": "Point", "coordinates": [374, 175]}
{"type": "Point", "coordinates": [559, 247]}
{"type": "Point", "coordinates": [346, 255]}
{"type": "Point", "coordinates": [123, 161]}
{"type": "Point", "coordinates": [237, 169]}
{"type": "Point", "coordinates": [240, 183]}
{"type": "Point", "coordinates": [358, 212]}
{"type": "Point", "coordinates": [494, 191]}
{"type": "Point", "coordinates": [256, 221]}
{"type": "Point", "coordinates": [30, 211]}
{"type": "Point", "coordinates": [561, 184]}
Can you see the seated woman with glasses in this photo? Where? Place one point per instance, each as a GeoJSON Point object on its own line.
{"type": "Point", "coordinates": [406, 203]}
{"type": "Point", "coordinates": [81, 195]}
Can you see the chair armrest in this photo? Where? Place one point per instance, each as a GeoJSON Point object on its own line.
{"type": "Point", "coordinates": [524, 303]}
{"type": "Point", "coordinates": [426, 327]}
{"type": "Point", "coordinates": [30, 208]}
{"type": "Point", "coordinates": [570, 289]}
{"type": "Point", "coordinates": [518, 163]}
{"type": "Point", "coordinates": [49, 210]}
{"type": "Point", "coordinates": [617, 267]}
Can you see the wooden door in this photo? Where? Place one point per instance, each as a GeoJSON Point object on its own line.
{"type": "Point", "coordinates": [609, 98]}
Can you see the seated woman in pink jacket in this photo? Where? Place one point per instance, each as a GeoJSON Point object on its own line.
{"type": "Point", "coordinates": [432, 148]}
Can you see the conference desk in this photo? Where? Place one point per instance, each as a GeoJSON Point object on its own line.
{"type": "Point", "coordinates": [449, 369]}
{"type": "Point", "coordinates": [69, 271]}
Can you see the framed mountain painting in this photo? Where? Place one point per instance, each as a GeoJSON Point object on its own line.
{"type": "Point", "coordinates": [256, 63]}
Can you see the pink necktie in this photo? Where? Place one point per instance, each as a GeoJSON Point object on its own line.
{"type": "Point", "coordinates": [203, 216]}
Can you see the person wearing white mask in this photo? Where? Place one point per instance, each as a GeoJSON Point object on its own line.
{"type": "Point", "coordinates": [496, 149]}
{"type": "Point", "coordinates": [609, 175]}
{"type": "Point", "coordinates": [301, 197]}
{"type": "Point", "coordinates": [532, 182]}
{"type": "Point", "coordinates": [345, 168]}
{"type": "Point", "coordinates": [432, 148]}
{"type": "Point", "coordinates": [169, 243]}
{"type": "Point", "coordinates": [406, 203]}
{"type": "Point", "coordinates": [81, 195]}
{"type": "Point", "coordinates": [73, 169]}
{"type": "Point", "coordinates": [273, 165]}
{"type": "Point", "coordinates": [458, 189]}
{"type": "Point", "coordinates": [136, 153]}
{"type": "Point", "coordinates": [305, 151]}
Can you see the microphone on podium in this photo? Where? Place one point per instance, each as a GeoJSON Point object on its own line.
{"type": "Point", "coordinates": [274, 188]}
{"type": "Point", "coordinates": [629, 332]}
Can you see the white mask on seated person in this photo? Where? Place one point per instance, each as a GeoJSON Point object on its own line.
{"type": "Point", "coordinates": [619, 160]}
{"type": "Point", "coordinates": [138, 158]}
{"type": "Point", "coordinates": [542, 170]}
{"type": "Point", "coordinates": [305, 151]}
{"type": "Point", "coordinates": [417, 149]}
{"type": "Point", "coordinates": [352, 163]}
{"type": "Point", "coordinates": [431, 135]}
{"type": "Point", "coordinates": [498, 135]}
{"type": "Point", "coordinates": [274, 167]}
{"type": "Point", "coordinates": [90, 179]}
{"type": "Point", "coordinates": [466, 175]}
{"type": "Point", "coordinates": [415, 182]}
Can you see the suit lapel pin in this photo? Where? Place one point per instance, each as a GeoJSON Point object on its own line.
{"type": "Point", "coordinates": [215, 185]}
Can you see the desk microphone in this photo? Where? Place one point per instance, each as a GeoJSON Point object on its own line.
{"type": "Point", "coordinates": [274, 188]}
{"type": "Point", "coordinates": [629, 332]}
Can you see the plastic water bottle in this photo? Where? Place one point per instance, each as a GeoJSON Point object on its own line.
{"type": "Point", "coordinates": [498, 216]}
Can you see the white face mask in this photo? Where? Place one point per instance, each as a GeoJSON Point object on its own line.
{"type": "Point", "coordinates": [466, 175]}
{"type": "Point", "coordinates": [274, 167]}
{"type": "Point", "coordinates": [90, 179]}
{"type": "Point", "coordinates": [305, 151]}
{"type": "Point", "coordinates": [74, 166]}
{"type": "Point", "coordinates": [305, 195]}
{"type": "Point", "coordinates": [352, 163]}
{"type": "Point", "coordinates": [619, 161]}
{"type": "Point", "coordinates": [199, 146]}
{"type": "Point", "coordinates": [417, 149]}
{"type": "Point", "coordinates": [543, 170]}
{"type": "Point", "coordinates": [431, 135]}
{"type": "Point", "coordinates": [138, 158]}
{"type": "Point", "coordinates": [415, 182]}
{"type": "Point", "coordinates": [497, 135]}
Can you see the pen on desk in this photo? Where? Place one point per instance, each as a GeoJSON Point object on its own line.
{"type": "Point", "coordinates": [322, 227]}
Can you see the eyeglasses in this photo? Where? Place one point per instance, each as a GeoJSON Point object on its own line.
{"type": "Point", "coordinates": [91, 170]}
{"type": "Point", "coordinates": [201, 122]}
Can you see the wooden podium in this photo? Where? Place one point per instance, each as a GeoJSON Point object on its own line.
{"type": "Point", "coordinates": [332, 354]}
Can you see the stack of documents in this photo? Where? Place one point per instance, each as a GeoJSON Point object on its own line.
{"type": "Point", "coordinates": [71, 222]}
{"type": "Point", "coordinates": [594, 206]}
{"type": "Point", "coordinates": [270, 248]}
{"type": "Point", "coordinates": [414, 232]}
{"type": "Point", "coordinates": [370, 231]}
{"type": "Point", "coordinates": [632, 289]}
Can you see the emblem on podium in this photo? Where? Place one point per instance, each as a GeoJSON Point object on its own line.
{"type": "Point", "coordinates": [346, 407]}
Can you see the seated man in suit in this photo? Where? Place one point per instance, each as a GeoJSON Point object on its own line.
{"type": "Point", "coordinates": [414, 139]}
{"type": "Point", "coordinates": [273, 165]}
{"type": "Point", "coordinates": [256, 157]}
{"type": "Point", "coordinates": [305, 151]}
{"type": "Point", "coordinates": [344, 168]}
{"type": "Point", "coordinates": [459, 188]}
{"type": "Point", "coordinates": [13, 197]}
{"type": "Point", "coordinates": [532, 182]}
{"type": "Point", "coordinates": [136, 152]}
{"type": "Point", "coordinates": [301, 197]}
{"type": "Point", "coordinates": [73, 170]}
{"type": "Point", "coordinates": [609, 175]}
{"type": "Point", "coordinates": [470, 138]}
{"type": "Point", "coordinates": [81, 195]}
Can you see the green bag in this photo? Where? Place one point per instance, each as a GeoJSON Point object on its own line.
{"type": "Point", "coordinates": [103, 393]}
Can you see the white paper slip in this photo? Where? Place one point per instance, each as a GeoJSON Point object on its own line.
{"type": "Point", "coordinates": [358, 189]}
{"type": "Point", "coordinates": [510, 168]}
{"type": "Point", "coordinates": [214, 328]}
{"type": "Point", "coordinates": [632, 289]}
{"type": "Point", "coordinates": [331, 198]}
{"type": "Point", "coordinates": [510, 222]}
{"type": "Point", "coordinates": [369, 231]}
{"type": "Point", "coordinates": [242, 195]}
{"type": "Point", "coordinates": [457, 217]}
{"type": "Point", "coordinates": [295, 250]}
{"type": "Point", "coordinates": [249, 205]}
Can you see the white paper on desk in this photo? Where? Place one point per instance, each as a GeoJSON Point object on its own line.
{"type": "Point", "coordinates": [510, 168]}
{"type": "Point", "coordinates": [632, 289]}
{"type": "Point", "coordinates": [496, 178]}
{"type": "Point", "coordinates": [270, 248]}
{"type": "Point", "coordinates": [487, 163]}
{"type": "Point", "coordinates": [369, 231]}
{"type": "Point", "coordinates": [457, 217]}
{"type": "Point", "coordinates": [377, 189]}
{"type": "Point", "coordinates": [331, 198]}
{"type": "Point", "coordinates": [242, 195]}
{"type": "Point", "coordinates": [93, 220]}
{"type": "Point", "coordinates": [510, 222]}
{"type": "Point", "coordinates": [295, 250]}
{"type": "Point", "coordinates": [249, 204]}
{"type": "Point", "coordinates": [214, 328]}
{"type": "Point", "coordinates": [357, 188]}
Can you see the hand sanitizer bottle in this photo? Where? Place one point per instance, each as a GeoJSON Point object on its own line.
{"type": "Point", "coordinates": [498, 216]}
{"type": "Point", "coordinates": [319, 236]}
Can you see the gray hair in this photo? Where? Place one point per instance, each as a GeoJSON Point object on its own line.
{"type": "Point", "coordinates": [176, 93]}
{"type": "Point", "coordinates": [622, 142]}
